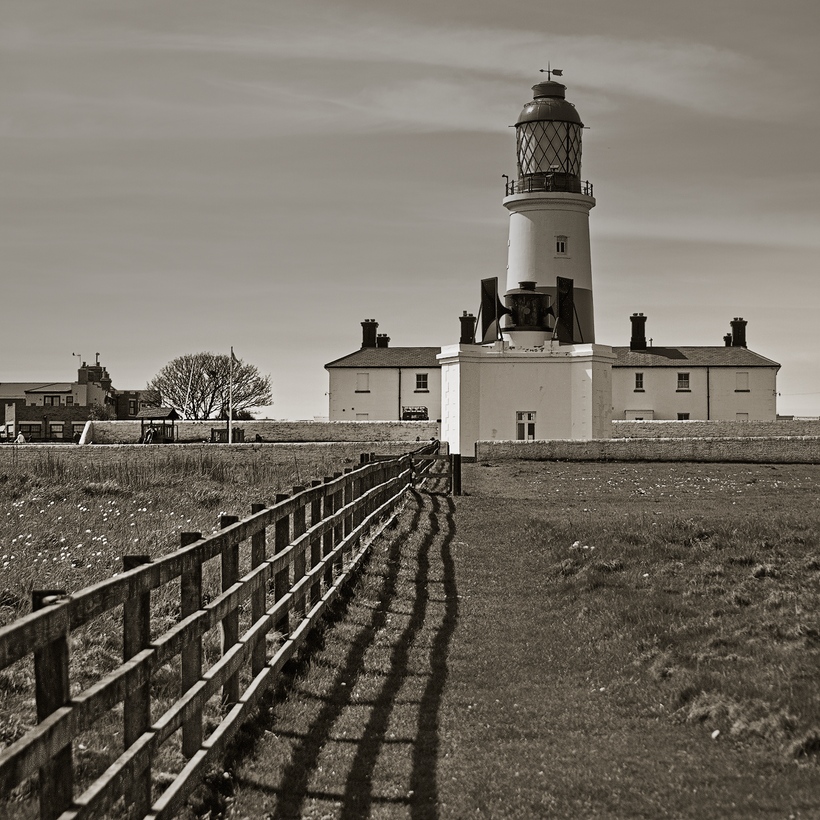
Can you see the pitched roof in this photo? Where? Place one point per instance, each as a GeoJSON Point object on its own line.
{"type": "Point", "coordinates": [158, 413]}
{"type": "Point", "coordinates": [389, 357]}
{"type": "Point", "coordinates": [53, 387]}
{"type": "Point", "coordinates": [690, 357]}
{"type": "Point", "coordinates": [18, 390]}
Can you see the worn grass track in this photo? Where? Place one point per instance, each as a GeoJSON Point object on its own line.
{"type": "Point", "coordinates": [565, 641]}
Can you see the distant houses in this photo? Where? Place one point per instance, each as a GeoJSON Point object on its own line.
{"type": "Point", "coordinates": [58, 411]}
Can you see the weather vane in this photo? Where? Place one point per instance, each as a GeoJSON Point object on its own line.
{"type": "Point", "coordinates": [549, 71]}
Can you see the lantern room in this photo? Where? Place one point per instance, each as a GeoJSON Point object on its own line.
{"type": "Point", "coordinates": [548, 142]}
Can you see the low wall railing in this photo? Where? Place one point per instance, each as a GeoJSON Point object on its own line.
{"type": "Point", "coordinates": [320, 535]}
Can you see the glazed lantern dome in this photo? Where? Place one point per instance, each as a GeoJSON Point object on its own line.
{"type": "Point", "coordinates": [548, 141]}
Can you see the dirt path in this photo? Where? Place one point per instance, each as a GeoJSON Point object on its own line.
{"type": "Point", "coordinates": [437, 696]}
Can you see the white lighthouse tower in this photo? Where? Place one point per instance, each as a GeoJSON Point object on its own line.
{"type": "Point", "coordinates": [536, 372]}
{"type": "Point", "coordinates": [549, 205]}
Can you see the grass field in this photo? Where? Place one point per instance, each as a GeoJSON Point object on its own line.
{"type": "Point", "coordinates": [708, 574]}
{"type": "Point", "coordinates": [567, 640]}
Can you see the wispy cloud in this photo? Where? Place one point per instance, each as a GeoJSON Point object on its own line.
{"type": "Point", "coordinates": [359, 73]}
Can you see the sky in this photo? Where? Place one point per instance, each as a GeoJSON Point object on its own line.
{"type": "Point", "coordinates": [187, 175]}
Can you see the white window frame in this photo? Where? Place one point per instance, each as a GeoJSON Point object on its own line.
{"type": "Point", "coordinates": [525, 425]}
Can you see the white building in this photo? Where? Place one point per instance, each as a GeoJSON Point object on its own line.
{"type": "Point", "coordinates": [728, 383]}
{"type": "Point", "coordinates": [383, 383]}
{"type": "Point", "coordinates": [499, 392]}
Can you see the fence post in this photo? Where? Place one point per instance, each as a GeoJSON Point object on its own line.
{"type": "Point", "coordinates": [316, 543]}
{"type": "Point", "coordinates": [339, 529]}
{"type": "Point", "coordinates": [328, 541]}
{"type": "Point", "coordinates": [280, 580]}
{"type": "Point", "coordinates": [358, 491]}
{"type": "Point", "coordinates": [366, 486]}
{"type": "Point", "coordinates": [348, 519]}
{"type": "Point", "coordinates": [136, 636]}
{"type": "Point", "coordinates": [258, 549]}
{"type": "Point", "coordinates": [191, 601]}
{"type": "Point", "coordinates": [455, 473]}
{"type": "Point", "coordinates": [300, 557]}
{"type": "Point", "coordinates": [52, 691]}
{"type": "Point", "coordinates": [230, 623]}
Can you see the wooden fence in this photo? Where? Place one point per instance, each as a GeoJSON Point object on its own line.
{"type": "Point", "coordinates": [320, 534]}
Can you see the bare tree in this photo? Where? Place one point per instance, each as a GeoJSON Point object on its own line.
{"type": "Point", "coordinates": [197, 385]}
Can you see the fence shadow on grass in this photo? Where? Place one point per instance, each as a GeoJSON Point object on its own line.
{"type": "Point", "coordinates": [357, 797]}
{"type": "Point", "coordinates": [423, 782]}
{"type": "Point", "coordinates": [358, 793]}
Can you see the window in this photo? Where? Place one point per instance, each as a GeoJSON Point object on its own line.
{"type": "Point", "coordinates": [132, 407]}
{"type": "Point", "coordinates": [639, 381]}
{"type": "Point", "coordinates": [421, 382]}
{"type": "Point", "coordinates": [78, 428]}
{"type": "Point", "coordinates": [683, 417]}
{"type": "Point", "coordinates": [561, 245]}
{"type": "Point", "coordinates": [69, 401]}
{"type": "Point", "coordinates": [51, 401]}
{"type": "Point", "coordinates": [362, 382]}
{"type": "Point", "coordinates": [683, 381]}
{"type": "Point", "coordinates": [741, 382]}
{"type": "Point", "coordinates": [525, 425]}
{"type": "Point", "coordinates": [56, 429]}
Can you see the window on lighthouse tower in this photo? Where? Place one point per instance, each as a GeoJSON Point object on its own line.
{"type": "Point", "coordinates": [561, 245]}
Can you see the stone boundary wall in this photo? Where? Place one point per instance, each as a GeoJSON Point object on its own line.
{"type": "Point", "coordinates": [128, 432]}
{"type": "Point", "coordinates": [756, 450]}
{"type": "Point", "coordinates": [715, 429]}
{"type": "Point", "coordinates": [35, 457]}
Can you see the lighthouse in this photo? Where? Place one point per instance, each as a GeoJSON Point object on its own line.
{"type": "Point", "coordinates": [549, 207]}
{"type": "Point", "coordinates": [535, 372]}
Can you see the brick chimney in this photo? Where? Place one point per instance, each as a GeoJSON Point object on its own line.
{"type": "Point", "coordinates": [467, 328]}
{"type": "Point", "coordinates": [738, 332]}
{"type": "Point", "coordinates": [369, 327]}
{"type": "Point", "coordinates": [638, 340]}
{"type": "Point", "coordinates": [382, 340]}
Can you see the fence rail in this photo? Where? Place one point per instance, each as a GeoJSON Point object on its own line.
{"type": "Point", "coordinates": [320, 535]}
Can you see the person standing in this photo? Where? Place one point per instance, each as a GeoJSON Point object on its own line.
{"type": "Point", "coordinates": [21, 439]}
